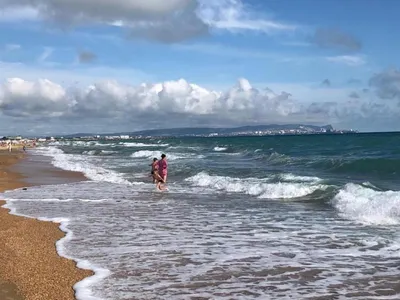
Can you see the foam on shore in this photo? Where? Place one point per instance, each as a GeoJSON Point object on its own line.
{"type": "Point", "coordinates": [81, 288]}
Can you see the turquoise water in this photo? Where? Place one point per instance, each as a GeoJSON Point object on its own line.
{"type": "Point", "coordinates": [288, 217]}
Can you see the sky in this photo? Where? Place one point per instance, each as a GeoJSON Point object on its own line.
{"type": "Point", "coordinates": [104, 66]}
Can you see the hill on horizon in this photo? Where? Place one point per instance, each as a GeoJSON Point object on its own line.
{"type": "Point", "coordinates": [209, 130]}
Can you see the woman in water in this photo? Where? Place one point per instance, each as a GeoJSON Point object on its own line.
{"type": "Point", "coordinates": [162, 171]}
{"type": "Point", "coordinates": [154, 170]}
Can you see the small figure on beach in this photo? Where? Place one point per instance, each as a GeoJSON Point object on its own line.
{"type": "Point", "coordinates": [10, 146]}
{"type": "Point", "coordinates": [162, 171]}
{"type": "Point", "coordinates": [24, 148]}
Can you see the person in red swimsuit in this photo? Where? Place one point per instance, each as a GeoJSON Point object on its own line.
{"type": "Point", "coordinates": [162, 171]}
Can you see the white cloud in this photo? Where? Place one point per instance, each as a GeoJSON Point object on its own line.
{"type": "Point", "coordinates": [234, 15]}
{"type": "Point", "coordinates": [25, 98]}
{"type": "Point", "coordinates": [17, 13]}
{"type": "Point", "coordinates": [179, 103]}
{"type": "Point", "coordinates": [167, 21]}
{"type": "Point", "coordinates": [95, 10]}
{"type": "Point", "coordinates": [350, 60]}
{"type": "Point", "coordinates": [114, 100]}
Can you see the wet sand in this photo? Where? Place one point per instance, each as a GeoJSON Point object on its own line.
{"type": "Point", "coordinates": [30, 266]}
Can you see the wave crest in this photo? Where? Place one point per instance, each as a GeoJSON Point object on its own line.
{"type": "Point", "coordinates": [262, 188]}
{"type": "Point", "coordinates": [368, 206]}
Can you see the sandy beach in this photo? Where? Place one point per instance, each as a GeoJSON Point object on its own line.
{"type": "Point", "coordinates": [30, 266]}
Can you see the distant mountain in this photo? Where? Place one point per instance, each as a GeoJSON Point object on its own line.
{"type": "Point", "coordinates": [236, 130]}
{"type": "Point", "coordinates": [190, 131]}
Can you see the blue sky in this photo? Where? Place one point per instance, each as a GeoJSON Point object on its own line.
{"type": "Point", "coordinates": [77, 59]}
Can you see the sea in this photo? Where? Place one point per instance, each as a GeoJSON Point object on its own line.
{"type": "Point", "coordinates": [272, 217]}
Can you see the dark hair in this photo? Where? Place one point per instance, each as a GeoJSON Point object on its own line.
{"type": "Point", "coordinates": [163, 155]}
{"type": "Point", "coordinates": [155, 159]}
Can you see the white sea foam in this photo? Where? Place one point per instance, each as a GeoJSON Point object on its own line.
{"type": "Point", "coordinates": [208, 231]}
{"type": "Point", "coordinates": [368, 206]}
{"type": "Point", "coordinates": [219, 149]}
{"type": "Point", "coordinates": [41, 200]}
{"type": "Point", "coordinates": [91, 152]}
{"type": "Point", "coordinates": [81, 164]}
{"type": "Point", "coordinates": [276, 157]}
{"type": "Point", "coordinates": [60, 143]}
{"type": "Point", "coordinates": [82, 288]}
{"type": "Point", "coordinates": [108, 152]}
{"type": "Point", "coordinates": [253, 186]}
{"type": "Point", "coordinates": [98, 144]}
{"type": "Point", "coordinates": [199, 246]}
{"type": "Point", "coordinates": [170, 156]}
{"type": "Point", "coordinates": [131, 144]}
{"type": "Point", "coordinates": [193, 148]}
{"type": "Point", "coordinates": [81, 144]}
{"type": "Point", "coordinates": [292, 177]}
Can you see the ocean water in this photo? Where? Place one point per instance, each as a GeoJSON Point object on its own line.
{"type": "Point", "coordinates": [284, 217]}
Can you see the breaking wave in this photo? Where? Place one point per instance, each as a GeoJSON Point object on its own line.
{"type": "Point", "coordinates": [262, 188]}
{"type": "Point", "coordinates": [131, 144]}
{"type": "Point", "coordinates": [219, 149]}
{"type": "Point", "coordinates": [170, 156]}
{"type": "Point", "coordinates": [368, 206]}
{"type": "Point", "coordinates": [79, 163]}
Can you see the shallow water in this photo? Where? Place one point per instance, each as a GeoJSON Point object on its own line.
{"type": "Point", "coordinates": [244, 218]}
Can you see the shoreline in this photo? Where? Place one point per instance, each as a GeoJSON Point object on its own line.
{"type": "Point", "coordinates": [31, 267]}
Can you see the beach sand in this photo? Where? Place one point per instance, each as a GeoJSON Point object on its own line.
{"type": "Point", "coordinates": [30, 267]}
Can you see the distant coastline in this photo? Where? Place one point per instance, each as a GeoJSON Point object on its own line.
{"type": "Point", "coordinates": [259, 130]}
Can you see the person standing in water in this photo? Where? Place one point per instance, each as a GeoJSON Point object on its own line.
{"type": "Point", "coordinates": [162, 171]}
{"type": "Point", "coordinates": [154, 167]}
{"type": "Point", "coordinates": [154, 171]}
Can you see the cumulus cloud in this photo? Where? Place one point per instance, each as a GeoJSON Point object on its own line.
{"type": "Point", "coordinates": [31, 99]}
{"type": "Point", "coordinates": [86, 56]}
{"type": "Point", "coordinates": [177, 103]}
{"type": "Point", "coordinates": [110, 99]}
{"type": "Point", "coordinates": [17, 13]}
{"type": "Point", "coordinates": [335, 38]}
{"type": "Point", "coordinates": [156, 19]}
